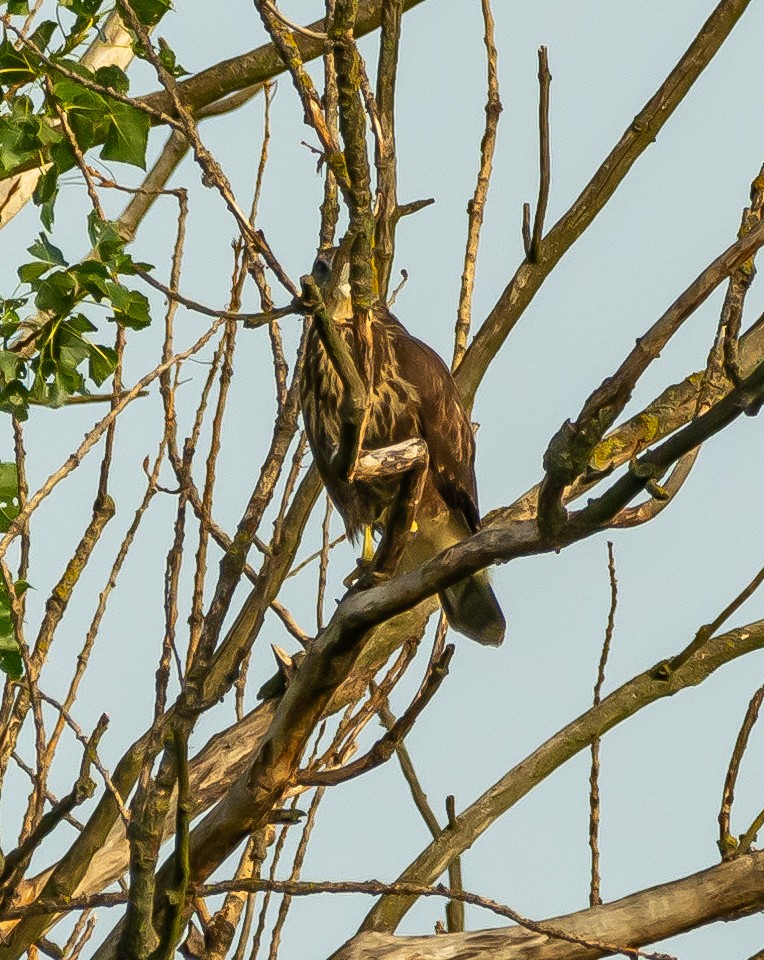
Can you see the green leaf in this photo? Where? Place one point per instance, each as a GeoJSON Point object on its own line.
{"type": "Point", "coordinates": [169, 60]}
{"type": "Point", "coordinates": [16, 66]}
{"type": "Point", "coordinates": [113, 77]}
{"type": "Point", "coordinates": [102, 363]}
{"type": "Point", "coordinates": [11, 663]}
{"type": "Point", "coordinates": [131, 308]}
{"type": "Point", "coordinates": [57, 293]}
{"type": "Point", "coordinates": [150, 12]}
{"type": "Point", "coordinates": [70, 351]}
{"type": "Point", "coordinates": [43, 34]}
{"type": "Point", "coordinates": [9, 495]}
{"type": "Point", "coordinates": [79, 323]}
{"type": "Point", "coordinates": [30, 272]}
{"type": "Point", "coordinates": [83, 8]}
{"type": "Point", "coordinates": [86, 110]}
{"type": "Point", "coordinates": [127, 136]}
{"type": "Point", "coordinates": [18, 7]}
{"type": "Point", "coordinates": [92, 277]}
{"type": "Point", "coordinates": [44, 250]}
{"type": "Point", "coordinates": [45, 194]}
{"type": "Point", "coordinates": [15, 399]}
{"type": "Point", "coordinates": [10, 364]}
{"type": "Point", "coordinates": [9, 481]}
{"type": "Point", "coordinates": [53, 384]}
{"type": "Point", "coordinates": [105, 238]}
{"type": "Point", "coordinates": [10, 654]}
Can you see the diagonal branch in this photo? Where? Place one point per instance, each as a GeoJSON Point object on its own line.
{"type": "Point", "coordinates": [569, 451]}
{"type": "Point", "coordinates": [641, 132]}
{"type": "Point", "coordinates": [723, 892]}
{"type": "Point", "coordinates": [662, 680]}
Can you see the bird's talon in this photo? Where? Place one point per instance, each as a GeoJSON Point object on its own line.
{"type": "Point", "coordinates": [370, 578]}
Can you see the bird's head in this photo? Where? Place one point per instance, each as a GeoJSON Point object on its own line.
{"type": "Point", "coordinates": [332, 276]}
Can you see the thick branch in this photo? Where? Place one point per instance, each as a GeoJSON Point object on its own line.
{"type": "Point", "coordinates": [569, 450]}
{"type": "Point", "coordinates": [723, 892]}
{"type": "Point", "coordinates": [695, 664]}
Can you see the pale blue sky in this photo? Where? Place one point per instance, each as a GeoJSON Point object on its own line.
{"type": "Point", "coordinates": [663, 771]}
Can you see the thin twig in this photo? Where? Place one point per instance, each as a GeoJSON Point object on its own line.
{"type": "Point", "coordinates": [50, 797]}
{"type": "Point", "coordinates": [545, 79]}
{"type": "Point", "coordinates": [323, 565]}
{"type": "Point", "coordinates": [384, 748]}
{"type": "Point", "coordinates": [250, 320]}
{"type": "Point", "coordinates": [262, 916]}
{"type": "Point", "coordinates": [92, 754]}
{"type": "Point", "coordinates": [75, 935]}
{"type": "Point", "coordinates": [75, 148]}
{"type": "Point", "coordinates": [291, 624]}
{"type": "Point", "coordinates": [298, 568]}
{"type": "Point", "coordinates": [407, 767]}
{"type": "Point", "coordinates": [94, 435]}
{"type": "Point", "coordinates": [79, 945]}
{"type": "Point", "coordinates": [295, 27]}
{"type": "Point", "coordinates": [728, 845]}
{"type": "Point", "coordinates": [374, 888]}
{"type": "Point", "coordinates": [299, 859]}
{"type": "Point", "coordinates": [594, 789]}
{"type": "Point", "coordinates": [213, 173]}
{"type": "Point", "coordinates": [476, 206]}
{"type": "Point", "coordinates": [454, 907]}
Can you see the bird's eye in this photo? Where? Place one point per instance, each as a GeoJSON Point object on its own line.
{"type": "Point", "coordinates": [321, 270]}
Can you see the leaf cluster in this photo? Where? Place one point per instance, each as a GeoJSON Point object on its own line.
{"type": "Point", "coordinates": [66, 359]}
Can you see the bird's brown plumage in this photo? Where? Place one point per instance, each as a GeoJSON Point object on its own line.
{"type": "Point", "coordinates": [411, 393]}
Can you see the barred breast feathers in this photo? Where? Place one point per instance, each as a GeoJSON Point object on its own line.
{"type": "Point", "coordinates": [391, 398]}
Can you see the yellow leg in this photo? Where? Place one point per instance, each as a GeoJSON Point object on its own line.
{"type": "Point", "coordinates": [368, 545]}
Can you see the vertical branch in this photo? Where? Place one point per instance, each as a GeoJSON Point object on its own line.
{"type": "Point", "coordinates": [313, 109]}
{"type": "Point", "coordinates": [175, 893]}
{"type": "Point", "coordinates": [254, 262]}
{"type": "Point", "coordinates": [213, 173]}
{"type": "Point", "coordinates": [330, 208]}
{"type": "Point", "coordinates": [722, 366]}
{"type": "Point", "coordinates": [545, 79]}
{"type": "Point", "coordinates": [594, 791]}
{"type": "Point", "coordinates": [277, 851]}
{"type": "Point", "coordinates": [728, 845]}
{"type": "Point", "coordinates": [138, 937]}
{"type": "Point", "coordinates": [79, 936]}
{"type": "Point", "coordinates": [226, 352]}
{"type": "Point", "coordinates": [83, 657]}
{"type": "Point", "coordinates": [385, 158]}
{"type": "Point", "coordinates": [55, 607]}
{"type": "Point", "coordinates": [10, 688]}
{"type": "Point", "coordinates": [323, 565]}
{"type": "Point", "coordinates": [476, 206]}
{"type": "Point", "coordinates": [261, 842]}
{"type": "Point", "coordinates": [299, 859]}
{"type": "Point", "coordinates": [409, 773]}
{"type": "Point", "coordinates": [454, 908]}
{"type": "Point", "coordinates": [352, 123]}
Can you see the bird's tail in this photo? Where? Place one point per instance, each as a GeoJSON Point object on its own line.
{"type": "Point", "coordinates": [471, 608]}
{"type": "Point", "coordinates": [470, 605]}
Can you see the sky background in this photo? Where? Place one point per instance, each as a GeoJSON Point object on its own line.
{"type": "Point", "coordinates": [662, 772]}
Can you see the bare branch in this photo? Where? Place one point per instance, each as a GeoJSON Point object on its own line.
{"type": "Point", "coordinates": [476, 206]}
{"type": "Point", "coordinates": [594, 788]}
{"type": "Point", "coordinates": [641, 132]}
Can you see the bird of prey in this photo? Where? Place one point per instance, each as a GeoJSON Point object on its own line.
{"type": "Point", "coordinates": [410, 394]}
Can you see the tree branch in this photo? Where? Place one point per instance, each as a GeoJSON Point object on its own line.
{"type": "Point", "coordinates": [642, 131]}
